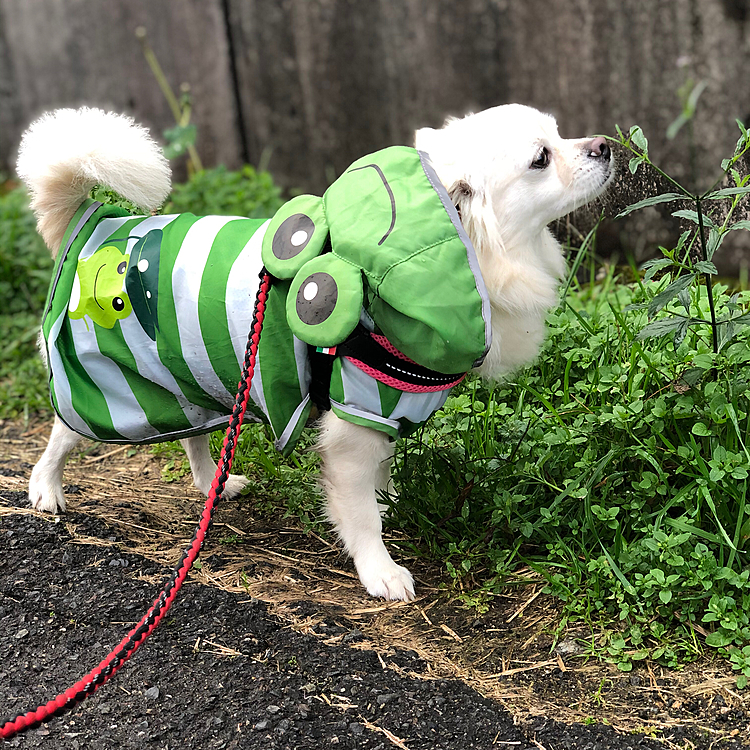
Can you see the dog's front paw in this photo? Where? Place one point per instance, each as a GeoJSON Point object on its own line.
{"type": "Point", "coordinates": [235, 484]}
{"type": "Point", "coordinates": [389, 581]}
{"type": "Point", "coordinates": [45, 495]}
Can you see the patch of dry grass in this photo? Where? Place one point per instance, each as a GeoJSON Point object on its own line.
{"type": "Point", "coordinates": [505, 654]}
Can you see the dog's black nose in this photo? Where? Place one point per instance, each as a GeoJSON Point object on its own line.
{"type": "Point", "coordinates": [599, 149]}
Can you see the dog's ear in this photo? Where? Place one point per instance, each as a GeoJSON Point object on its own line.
{"type": "Point", "coordinates": [460, 191]}
{"type": "Point", "coordinates": [476, 213]}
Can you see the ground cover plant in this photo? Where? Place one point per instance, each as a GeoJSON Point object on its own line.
{"type": "Point", "coordinates": [606, 468]}
{"type": "Point", "coordinates": [25, 267]}
{"type": "Point", "coordinates": [615, 468]}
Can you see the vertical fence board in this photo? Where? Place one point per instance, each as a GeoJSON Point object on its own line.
{"type": "Point", "coordinates": [599, 62]}
{"type": "Point", "coordinates": [72, 52]}
{"type": "Point", "coordinates": [320, 82]}
{"type": "Point", "coordinates": [9, 114]}
{"type": "Point", "coordinates": [323, 81]}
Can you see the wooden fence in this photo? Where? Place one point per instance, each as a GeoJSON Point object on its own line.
{"type": "Point", "coordinates": [309, 85]}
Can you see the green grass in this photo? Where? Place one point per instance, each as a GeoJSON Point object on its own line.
{"type": "Point", "coordinates": [247, 192]}
{"type": "Point", "coordinates": [25, 267]}
{"type": "Point", "coordinates": [23, 378]}
{"type": "Point", "coordinates": [25, 263]}
{"type": "Point", "coordinates": [278, 484]}
{"type": "Point", "coordinates": [616, 467]}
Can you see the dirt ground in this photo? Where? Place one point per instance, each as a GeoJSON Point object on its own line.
{"type": "Point", "coordinates": [274, 644]}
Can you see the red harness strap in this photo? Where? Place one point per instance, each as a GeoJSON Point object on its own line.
{"type": "Point", "coordinates": [380, 359]}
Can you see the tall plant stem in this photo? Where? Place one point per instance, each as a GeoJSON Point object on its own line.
{"type": "Point", "coordinates": [181, 117]}
{"type": "Point", "coordinates": [707, 278]}
{"type": "Point", "coordinates": [668, 178]}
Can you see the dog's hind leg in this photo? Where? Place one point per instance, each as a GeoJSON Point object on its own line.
{"type": "Point", "coordinates": [204, 467]}
{"type": "Point", "coordinates": [45, 485]}
{"type": "Point", "coordinates": [355, 462]}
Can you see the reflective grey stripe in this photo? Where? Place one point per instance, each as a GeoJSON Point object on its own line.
{"type": "Point", "coordinates": [59, 382]}
{"type": "Point", "coordinates": [304, 374]}
{"type": "Point", "coordinates": [283, 439]}
{"type": "Point", "coordinates": [418, 407]}
{"type": "Point", "coordinates": [242, 288]}
{"type": "Point", "coordinates": [101, 233]}
{"type": "Point", "coordinates": [153, 222]}
{"type": "Point", "coordinates": [362, 399]}
{"type": "Point", "coordinates": [257, 394]}
{"type": "Point", "coordinates": [84, 218]}
{"type": "Point", "coordinates": [431, 174]}
{"type": "Point", "coordinates": [369, 416]}
{"type": "Point", "coordinates": [366, 320]}
{"type": "Point", "coordinates": [128, 417]}
{"type": "Point", "coordinates": [177, 434]}
{"type": "Point", "coordinates": [359, 388]}
{"type": "Point", "coordinates": [187, 276]}
{"type": "Point", "coordinates": [152, 368]}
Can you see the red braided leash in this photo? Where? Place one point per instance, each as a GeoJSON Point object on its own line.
{"type": "Point", "coordinates": [136, 637]}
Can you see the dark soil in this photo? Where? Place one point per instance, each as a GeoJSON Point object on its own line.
{"type": "Point", "coordinates": [65, 606]}
{"type": "Point", "coordinates": [226, 670]}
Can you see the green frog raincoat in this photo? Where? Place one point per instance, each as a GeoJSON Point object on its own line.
{"type": "Point", "coordinates": [147, 317]}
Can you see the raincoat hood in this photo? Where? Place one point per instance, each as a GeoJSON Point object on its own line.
{"type": "Point", "coordinates": [398, 248]}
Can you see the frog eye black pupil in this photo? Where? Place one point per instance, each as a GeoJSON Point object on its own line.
{"type": "Point", "coordinates": [292, 236]}
{"type": "Point", "coordinates": [121, 268]}
{"type": "Point", "coordinates": [118, 304]}
{"type": "Point", "coordinates": [317, 298]}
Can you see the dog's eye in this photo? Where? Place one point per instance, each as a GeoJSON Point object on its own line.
{"type": "Point", "coordinates": [541, 160]}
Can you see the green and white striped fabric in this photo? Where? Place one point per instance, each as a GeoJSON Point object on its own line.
{"type": "Point", "coordinates": [147, 316]}
{"type": "Point", "coordinates": [359, 398]}
{"type": "Point", "coordinates": [146, 325]}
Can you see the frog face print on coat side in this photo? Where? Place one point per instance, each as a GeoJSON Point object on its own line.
{"type": "Point", "coordinates": [98, 288]}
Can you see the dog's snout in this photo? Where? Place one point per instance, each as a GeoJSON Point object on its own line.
{"type": "Point", "coordinates": [598, 149]}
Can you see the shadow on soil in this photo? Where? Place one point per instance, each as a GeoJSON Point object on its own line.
{"type": "Point", "coordinates": [273, 643]}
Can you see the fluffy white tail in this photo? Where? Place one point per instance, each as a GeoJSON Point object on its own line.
{"type": "Point", "coordinates": [67, 152]}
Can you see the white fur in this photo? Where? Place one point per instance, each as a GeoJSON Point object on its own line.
{"type": "Point", "coordinates": [67, 152]}
{"type": "Point", "coordinates": [484, 160]}
{"type": "Point", "coordinates": [356, 466]}
{"type": "Point", "coordinates": [203, 467]}
{"type": "Point", "coordinates": [45, 486]}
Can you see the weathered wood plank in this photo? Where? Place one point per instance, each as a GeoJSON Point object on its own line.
{"type": "Point", "coordinates": [8, 97]}
{"type": "Point", "coordinates": [73, 52]}
{"type": "Point", "coordinates": [324, 81]}
{"type": "Point", "coordinates": [599, 62]}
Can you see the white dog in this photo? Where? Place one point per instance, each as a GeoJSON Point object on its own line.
{"type": "Point", "coordinates": [506, 170]}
